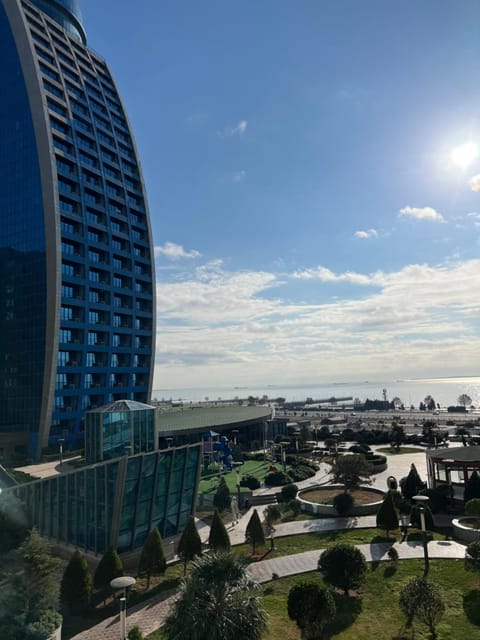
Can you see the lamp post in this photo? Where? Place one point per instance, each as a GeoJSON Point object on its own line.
{"type": "Point", "coordinates": [121, 586]}
{"type": "Point", "coordinates": [404, 523]}
{"type": "Point", "coordinates": [421, 501]}
{"type": "Point", "coordinates": [283, 454]}
{"type": "Point", "coordinates": [236, 466]}
{"type": "Point", "coordinates": [60, 443]}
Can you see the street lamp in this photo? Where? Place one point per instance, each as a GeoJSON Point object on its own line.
{"type": "Point", "coordinates": [422, 500]}
{"type": "Point", "coordinates": [236, 467]}
{"type": "Point", "coordinates": [120, 586]}
{"type": "Point", "coordinates": [60, 442]}
{"type": "Point", "coordinates": [404, 523]}
{"type": "Point", "coordinates": [283, 454]}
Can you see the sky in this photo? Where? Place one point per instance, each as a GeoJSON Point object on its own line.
{"type": "Point", "coordinates": [313, 182]}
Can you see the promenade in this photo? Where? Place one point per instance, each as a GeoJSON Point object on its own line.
{"type": "Point", "coordinates": [151, 614]}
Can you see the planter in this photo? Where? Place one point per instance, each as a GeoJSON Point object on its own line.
{"type": "Point", "coordinates": [310, 506]}
{"type": "Point", "coordinates": [461, 531]}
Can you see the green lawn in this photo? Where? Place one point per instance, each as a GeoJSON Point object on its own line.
{"type": "Point", "coordinates": [256, 468]}
{"type": "Point", "coordinates": [373, 613]}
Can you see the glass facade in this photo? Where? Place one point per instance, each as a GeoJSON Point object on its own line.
{"type": "Point", "coordinates": [76, 257]}
{"type": "Point", "coordinates": [116, 502]}
{"type": "Point", "coordinates": [120, 428]}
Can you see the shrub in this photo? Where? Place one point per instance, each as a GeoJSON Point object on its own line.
{"type": "Point", "coordinates": [387, 516]}
{"type": "Point", "coordinates": [135, 634]}
{"type": "Point", "coordinates": [109, 567]}
{"type": "Point", "coordinates": [254, 532]}
{"type": "Point", "coordinates": [416, 520]}
{"type": "Point", "coordinates": [343, 566]}
{"type": "Point", "coordinates": [289, 492]}
{"type": "Point", "coordinates": [76, 585]}
{"type": "Point", "coordinates": [294, 506]}
{"type": "Point", "coordinates": [276, 478]}
{"type": "Point", "coordinates": [393, 554]}
{"type": "Point", "coordinates": [472, 488]}
{"type": "Point", "coordinates": [343, 503]}
{"type": "Point", "coordinates": [251, 482]}
{"type": "Point", "coordinates": [472, 556]}
{"type": "Point", "coordinates": [218, 539]}
{"type": "Point", "coordinates": [221, 499]}
{"type": "Point", "coordinates": [312, 607]}
{"type": "Point", "coordinates": [420, 598]}
{"type": "Point", "coordinates": [472, 508]}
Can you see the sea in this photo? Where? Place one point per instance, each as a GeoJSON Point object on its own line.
{"type": "Point", "coordinates": [445, 391]}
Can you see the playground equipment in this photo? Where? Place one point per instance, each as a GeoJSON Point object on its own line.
{"type": "Point", "coordinates": [216, 450]}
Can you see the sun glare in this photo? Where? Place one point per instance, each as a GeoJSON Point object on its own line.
{"type": "Point", "coordinates": [464, 155]}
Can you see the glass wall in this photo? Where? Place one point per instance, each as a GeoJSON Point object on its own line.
{"type": "Point", "coordinates": [116, 502]}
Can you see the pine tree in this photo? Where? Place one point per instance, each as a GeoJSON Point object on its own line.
{"type": "Point", "coordinates": [76, 585]}
{"type": "Point", "coordinates": [190, 544]}
{"type": "Point", "coordinates": [412, 484]}
{"type": "Point", "coordinates": [109, 567]}
{"type": "Point", "coordinates": [152, 558]}
{"type": "Point", "coordinates": [387, 516]}
{"type": "Point", "coordinates": [218, 540]}
{"type": "Point", "coordinates": [254, 531]}
{"type": "Point", "coordinates": [472, 488]}
{"type": "Point", "coordinates": [221, 499]}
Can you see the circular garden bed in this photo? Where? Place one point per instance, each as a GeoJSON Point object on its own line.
{"type": "Point", "coordinates": [466, 528]}
{"type": "Point", "coordinates": [319, 500]}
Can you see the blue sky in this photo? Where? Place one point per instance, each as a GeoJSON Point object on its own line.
{"type": "Point", "coordinates": [309, 219]}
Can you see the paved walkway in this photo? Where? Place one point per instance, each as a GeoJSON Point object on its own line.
{"type": "Point", "coordinates": [151, 614]}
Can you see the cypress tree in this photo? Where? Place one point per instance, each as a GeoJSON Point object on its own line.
{"type": "Point", "coordinates": [412, 484]}
{"type": "Point", "coordinates": [76, 585]}
{"type": "Point", "coordinates": [218, 539]}
{"type": "Point", "coordinates": [387, 516]}
{"type": "Point", "coordinates": [221, 499]}
{"type": "Point", "coordinates": [190, 544]}
{"type": "Point", "coordinates": [254, 531]}
{"type": "Point", "coordinates": [109, 567]}
{"type": "Point", "coordinates": [416, 520]}
{"type": "Point", "coordinates": [472, 488]}
{"type": "Point", "coordinates": [152, 558]}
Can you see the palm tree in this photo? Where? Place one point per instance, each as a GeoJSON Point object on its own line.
{"type": "Point", "coordinates": [217, 601]}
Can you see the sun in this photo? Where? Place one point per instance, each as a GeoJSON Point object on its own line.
{"type": "Point", "coordinates": [464, 155]}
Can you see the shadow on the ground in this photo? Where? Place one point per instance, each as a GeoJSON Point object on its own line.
{"type": "Point", "coordinates": [348, 610]}
{"type": "Point", "coordinates": [471, 606]}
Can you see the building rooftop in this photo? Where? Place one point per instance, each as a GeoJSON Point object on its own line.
{"type": "Point", "coordinates": [121, 406]}
{"type": "Point", "coordinates": [460, 454]}
{"type": "Point", "coordinates": [206, 418]}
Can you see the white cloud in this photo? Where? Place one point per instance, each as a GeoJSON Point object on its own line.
{"type": "Point", "coordinates": [369, 233]}
{"type": "Point", "coordinates": [234, 130]}
{"type": "Point", "coordinates": [175, 251]}
{"type": "Point", "coordinates": [219, 328]}
{"type": "Point", "coordinates": [422, 213]}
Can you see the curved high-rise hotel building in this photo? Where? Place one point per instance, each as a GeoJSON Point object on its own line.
{"type": "Point", "coordinates": [77, 312]}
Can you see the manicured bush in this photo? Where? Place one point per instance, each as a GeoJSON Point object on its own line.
{"type": "Point", "coordinates": [76, 585]}
{"type": "Point", "coordinates": [387, 515]}
{"type": "Point", "coordinates": [472, 556]}
{"type": "Point", "coordinates": [343, 566]}
{"type": "Point", "coordinates": [343, 503]}
{"type": "Point", "coordinates": [312, 607]}
{"type": "Point", "coordinates": [135, 634]}
{"type": "Point", "coordinates": [472, 488]}
{"type": "Point", "coordinates": [109, 567]}
{"type": "Point", "coordinates": [392, 553]}
{"type": "Point", "coordinates": [472, 508]}
{"type": "Point", "coordinates": [254, 532]}
{"type": "Point", "coordinates": [416, 520]}
{"type": "Point", "coordinates": [250, 482]}
{"type": "Point", "coordinates": [190, 543]}
{"type": "Point", "coordinates": [152, 558]}
{"type": "Point", "coordinates": [276, 479]}
{"type": "Point", "coordinates": [218, 540]}
{"type": "Point", "coordinates": [289, 492]}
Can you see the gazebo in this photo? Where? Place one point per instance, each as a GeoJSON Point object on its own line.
{"type": "Point", "coordinates": [453, 467]}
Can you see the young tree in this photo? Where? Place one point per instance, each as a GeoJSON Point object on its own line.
{"type": "Point", "coordinates": [217, 601]}
{"type": "Point", "coordinates": [221, 499]}
{"type": "Point", "coordinates": [109, 567]}
{"type": "Point", "coordinates": [472, 556]}
{"type": "Point", "coordinates": [135, 633]}
{"type": "Point", "coordinates": [429, 403]}
{"type": "Point", "coordinates": [76, 585]}
{"type": "Point", "coordinates": [190, 544]}
{"type": "Point", "coordinates": [464, 400]}
{"type": "Point", "coordinates": [152, 558]}
{"type": "Point", "coordinates": [397, 436]}
{"type": "Point", "coordinates": [412, 484]}
{"type": "Point", "coordinates": [351, 471]}
{"type": "Point", "coordinates": [312, 607]}
{"type": "Point", "coordinates": [472, 488]}
{"type": "Point", "coordinates": [218, 540]}
{"type": "Point", "coordinates": [421, 599]}
{"type": "Point", "coordinates": [343, 566]}
{"type": "Point", "coordinates": [387, 515]}
{"type": "Point", "coordinates": [289, 492]}
{"type": "Point", "coordinates": [254, 532]}
{"type": "Point", "coordinates": [34, 587]}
